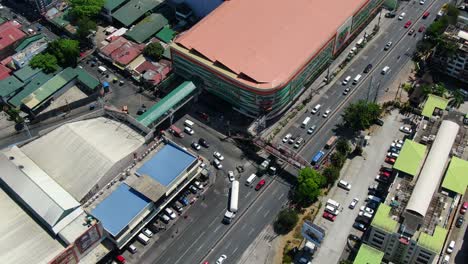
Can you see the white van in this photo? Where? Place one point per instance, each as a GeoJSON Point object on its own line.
{"type": "Point", "coordinates": [305, 122]}
{"type": "Point", "coordinates": [333, 203]}
{"type": "Point", "coordinates": [344, 184]}
{"type": "Point", "coordinates": [385, 70]}
{"type": "Point", "coordinates": [332, 210]}
{"type": "Point", "coordinates": [346, 80]}
{"type": "Point", "coordinates": [250, 179]}
{"type": "Point", "coordinates": [102, 69]}
{"type": "Point", "coordinates": [356, 79]}
{"type": "Point", "coordinates": [316, 109]}
{"type": "Point", "coordinates": [188, 123]}
{"type": "Point", "coordinates": [143, 239]}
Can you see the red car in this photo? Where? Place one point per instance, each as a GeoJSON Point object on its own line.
{"type": "Point", "coordinates": [329, 216]}
{"type": "Point", "coordinates": [260, 184]}
{"type": "Point", "coordinates": [121, 259]}
{"type": "Point", "coordinates": [421, 29]}
{"type": "Point", "coordinates": [463, 208]}
{"type": "Point", "coordinates": [408, 24]}
{"type": "Point", "coordinates": [425, 15]}
{"type": "Point", "coordinates": [390, 160]}
{"type": "Point", "coordinates": [385, 173]}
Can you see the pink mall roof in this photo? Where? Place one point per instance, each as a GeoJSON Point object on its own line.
{"type": "Point", "coordinates": [268, 41]}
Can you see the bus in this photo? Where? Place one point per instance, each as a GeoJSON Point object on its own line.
{"type": "Point", "coordinates": [233, 204]}
{"type": "Point", "coordinates": [316, 159]}
{"type": "Point", "coordinates": [305, 122]}
{"type": "Point", "coordinates": [331, 142]}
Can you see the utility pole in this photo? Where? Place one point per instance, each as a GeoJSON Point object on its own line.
{"type": "Point", "coordinates": [377, 92]}
{"type": "Point", "coordinates": [369, 89]}
{"type": "Point", "coordinates": [328, 75]}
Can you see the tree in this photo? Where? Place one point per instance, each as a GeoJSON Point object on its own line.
{"type": "Point", "coordinates": [44, 61]}
{"type": "Point", "coordinates": [85, 26]}
{"type": "Point", "coordinates": [308, 188]}
{"type": "Point", "coordinates": [66, 51]}
{"type": "Point", "coordinates": [361, 115]}
{"type": "Point", "coordinates": [286, 221]}
{"type": "Point", "coordinates": [452, 14]}
{"type": "Point", "coordinates": [331, 173]}
{"type": "Point", "coordinates": [154, 50]}
{"type": "Point", "coordinates": [86, 8]}
{"type": "Point", "coordinates": [342, 146]}
{"type": "Point", "coordinates": [337, 159]}
{"type": "Point", "coordinates": [456, 98]}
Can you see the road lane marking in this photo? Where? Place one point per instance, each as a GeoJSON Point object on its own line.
{"type": "Point", "coordinates": [258, 209]}
{"type": "Point", "coordinates": [281, 196]}
{"type": "Point", "coordinates": [194, 243]}
{"type": "Point", "coordinates": [248, 194]}
{"type": "Point", "coordinates": [267, 212]}
{"type": "Point", "coordinates": [243, 226]}
{"type": "Point", "coordinates": [217, 228]}
{"type": "Point", "coordinates": [234, 251]}
{"type": "Point", "coordinates": [251, 231]}
{"type": "Point", "coordinates": [212, 222]}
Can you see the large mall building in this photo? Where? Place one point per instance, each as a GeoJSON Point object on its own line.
{"type": "Point", "coordinates": [259, 54]}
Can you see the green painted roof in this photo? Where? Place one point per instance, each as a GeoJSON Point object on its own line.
{"type": "Point", "coordinates": [9, 86]}
{"type": "Point", "coordinates": [172, 99]}
{"type": "Point", "coordinates": [1, 20]}
{"type": "Point", "coordinates": [382, 219]}
{"type": "Point", "coordinates": [434, 242]}
{"type": "Point", "coordinates": [35, 83]}
{"type": "Point", "coordinates": [147, 28]}
{"type": "Point", "coordinates": [410, 158]}
{"type": "Point", "coordinates": [112, 4]}
{"type": "Point", "coordinates": [49, 88]}
{"type": "Point", "coordinates": [86, 78]}
{"type": "Point", "coordinates": [26, 73]}
{"type": "Point", "coordinates": [27, 41]}
{"type": "Point", "coordinates": [134, 10]}
{"type": "Point", "coordinates": [368, 255]}
{"type": "Point", "coordinates": [433, 101]}
{"type": "Point", "coordinates": [456, 178]}
{"type": "Point", "coordinates": [166, 34]}
{"type": "Point", "coordinates": [61, 20]}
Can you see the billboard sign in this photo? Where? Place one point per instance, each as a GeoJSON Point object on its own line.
{"type": "Point", "coordinates": [313, 233]}
{"type": "Point", "coordinates": [342, 34]}
{"type": "Point", "coordinates": [67, 256]}
{"type": "Point", "coordinates": [88, 239]}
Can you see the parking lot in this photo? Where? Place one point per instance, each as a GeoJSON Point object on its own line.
{"type": "Point", "coordinates": [360, 172]}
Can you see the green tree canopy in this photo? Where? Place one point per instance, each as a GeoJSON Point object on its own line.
{"type": "Point", "coordinates": [45, 61]}
{"type": "Point", "coordinates": [84, 28]}
{"type": "Point", "coordinates": [456, 98]}
{"type": "Point", "coordinates": [331, 173]}
{"type": "Point", "coordinates": [308, 187]}
{"type": "Point", "coordinates": [337, 159]}
{"type": "Point", "coordinates": [154, 51]}
{"type": "Point", "coordinates": [66, 51]}
{"type": "Point", "coordinates": [286, 221]}
{"type": "Point", "coordinates": [342, 146]}
{"type": "Point", "coordinates": [86, 8]}
{"type": "Point", "coordinates": [361, 115]}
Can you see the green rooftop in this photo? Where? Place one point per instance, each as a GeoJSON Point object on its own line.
{"type": "Point", "coordinates": [433, 102]}
{"type": "Point", "coordinates": [62, 19]}
{"type": "Point", "coordinates": [26, 73]}
{"type": "Point", "coordinates": [9, 86]}
{"type": "Point", "coordinates": [1, 20]}
{"type": "Point", "coordinates": [382, 219]}
{"type": "Point", "coordinates": [171, 100]}
{"type": "Point", "coordinates": [434, 242]}
{"type": "Point", "coordinates": [456, 178]}
{"type": "Point", "coordinates": [39, 80]}
{"type": "Point", "coordinates": [134, 10]}
{"type": "Point", "coordinates": [146, 28]}
{"type": "Point", "coordinates": [368, 255]}
{"type": "Point", "coordinates": [28, 41]}
{"type": "Point", "coordinates": [166, 34]}
{"type": "Point", "coordinates": [86, 79]}
{"type": "Point", "coordinates": [112, 4]}
{"type": "Point", "coordinates": [410, 157]}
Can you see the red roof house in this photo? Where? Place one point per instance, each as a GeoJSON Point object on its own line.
{"type": "Point", "coordinates": [10, 34]}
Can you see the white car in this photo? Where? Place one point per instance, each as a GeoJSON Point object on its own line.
{"type": "Point", "coordinates": [203, 165]}
{"type": "Point", "coordinates": [221, 259]}
{"type": "Point", "coordinates": [231, 176]}
{"type": "Point", "coordinates": [327, 112]}
{"type": "Point", "coordinates": [353, 203]}
{"type": "Point", "coordinates": [422, 2]}
{"type": "Point", "coordinates": [365, 214]}
{"type": "Point", "coordinates": [147, 232]}
{"type": "Point", "coordinates": [388, 45]}
{"type": "Point", "coordinates": [402, 15]}
{"type": "Point", "coordinates": [406, 129]}
{"type": "Point", "coordinates": [311, 129]}
{"type": "Point", "coordinates": [451, 247]}
{"type": "Point", "coordinates": [367, 209]}
{"type": "Point", "coordinates": [188, 130]}
{"type": "Point", "coordinates": [396, 145]}
{"type": "Point", "coordinates": [198, 185]}
{"type": "Point", "coordinates": [398, 141]}
{"type": "Point", "coordinates": [287, 137]}
{"type": "Point", "coordinates": [218, 155]}
{"type": "Point", "coordinates": [195, 146]}
{"type": "Point", "coordinates": [346, 91]}
{"type": "Point", "coordinates": [217, 164]}
{"type": "Point", "coordinates": [170, 213]}
{"type": "Point", "coordinates": [392, 155]}
{"type": "Point", "coordinates": [346, 80]}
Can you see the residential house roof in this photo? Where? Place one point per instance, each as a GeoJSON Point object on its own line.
{"type": "Point", "coordinates": [10, 33]}
{"type": "Point", "coordinates": [134, 10]}
{"type": "Point", "coordinates": [9, 86]}
{"type": "Point", "coordinates": [147, 27]}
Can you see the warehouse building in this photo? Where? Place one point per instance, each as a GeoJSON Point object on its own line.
{"type": "Point", "coordinates": [260, 63]}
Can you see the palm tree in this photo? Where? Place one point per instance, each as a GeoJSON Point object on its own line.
{"type": "Point", "coordinates": [439, 89]}
{"type": "Point", "coordinates": [456, 98]}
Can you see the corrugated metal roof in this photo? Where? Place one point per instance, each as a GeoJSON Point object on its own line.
{"type": "Point", "coordinates": [433, 169]}
{"type": "Point", "coordinates": [119, 209]}
{"type": "Point", "coordinates": [166, 34]}
{"type": "Point", "coordinates": [147, 28]}
{"type": "Point", "coordinates": [26, 73]}
{"type": "Point", "coordinates": [133, 10]}
{"type": "Point", "coordinates": [35, 83]}
{"type": "Point", "coordinates": [112, 4]}
{"type": "Point", "coordinates": [87, 79]}
{"type": "Point", "coordinates": [456, 177]}
{"type": "Point", "coordinates": [9, 86]}
{"type": "Point", "coordinates": [27, 41]}
{"type": "Point", "coordinates": [160, 108]}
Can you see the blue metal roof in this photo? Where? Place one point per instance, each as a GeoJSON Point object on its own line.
{"type": "Point", "coordinates": [167, 164]}
{"type": "Point", "coordinates": [118, 209]}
